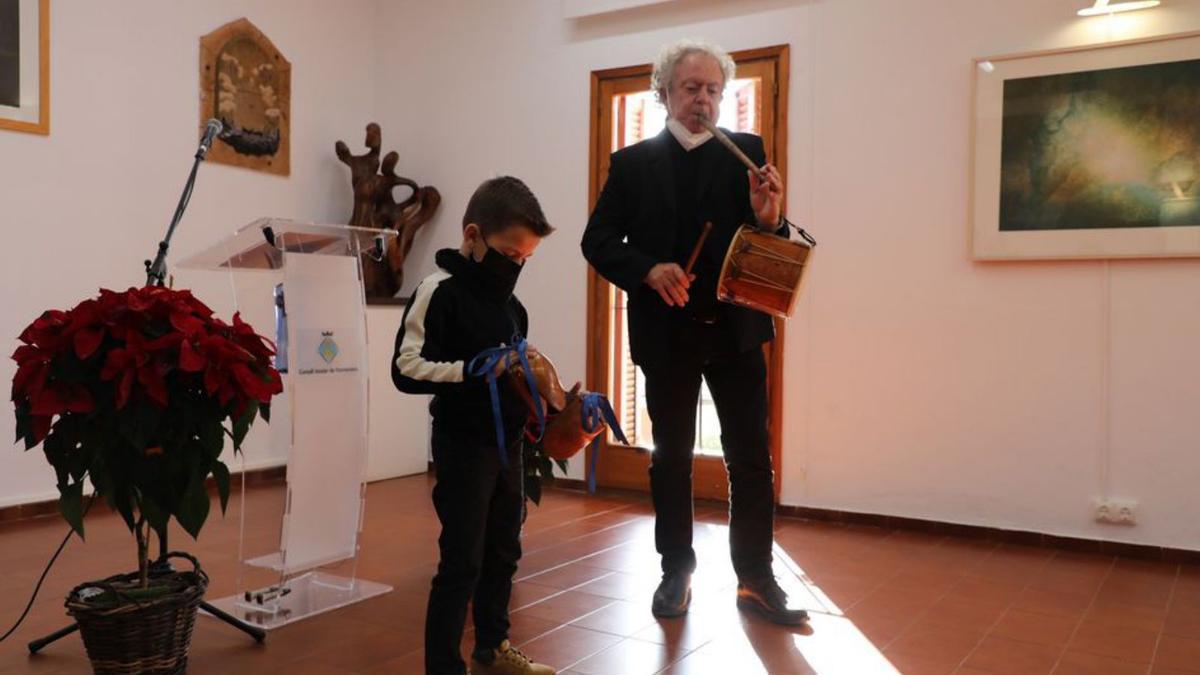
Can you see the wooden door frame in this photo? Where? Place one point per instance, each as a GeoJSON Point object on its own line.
{"type": "Point", "coordinates": [598, 339]}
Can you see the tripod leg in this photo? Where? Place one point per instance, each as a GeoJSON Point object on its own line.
{"type": "Point", "coordinates": [37, 645]}
{"type": "Point", "coordinates": [257, 633]}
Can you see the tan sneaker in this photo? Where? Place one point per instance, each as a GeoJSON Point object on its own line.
{"type": "Point", "coordinates": [509, 661]}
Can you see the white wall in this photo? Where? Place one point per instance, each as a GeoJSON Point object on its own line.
{"type": "Point", "coordinates": [84, 206]}
{"type": "Point", "coordinates": [918, 383]}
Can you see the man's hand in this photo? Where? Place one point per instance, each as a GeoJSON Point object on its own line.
{"type": "Point", "coordinates": [670, 282]}
{"type": "Point", "coordinates": [766, 196]}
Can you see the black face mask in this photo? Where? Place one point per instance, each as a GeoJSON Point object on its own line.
{"type": "Point", "coordinates": [498, 267]}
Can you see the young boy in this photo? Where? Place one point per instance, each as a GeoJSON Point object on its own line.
{"type": "Point", "coordinates": [465, 307]}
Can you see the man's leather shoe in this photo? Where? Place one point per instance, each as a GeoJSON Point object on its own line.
{"type": "Point", "coordinates": [673, 596]}
{"type": "Point", "coordinates": [765, 598]}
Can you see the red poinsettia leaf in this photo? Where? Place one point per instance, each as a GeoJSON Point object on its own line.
{"type": "Point", "coordinates": [85, 315]}
{"type": "Point", "coordinates": [48, 403]}
{"type": "Point", "coordinates": [154, 384]}
{"type": "Point", "coordinates": [139, 300]}
{"type": "Point", "coordinates": [45, 330]}
{"type": "Point", "coordinates": [197, 307]}
{"type": "Point", "coordinates": [41, 427]}
{"type": "Point", "coordinates": [37, 382]}
{"type": "Point", "coordinates": [78, 399]}
{"type": "Point", "coordinates": [190, 360]}
{"type": "Point", "coordinates": [25, 353]}
{"type": "Point", "coordinates": [87, 341]}
{"type": "Point", "coordinates": [114, 363]}
{"type": "Point", "coordinates": [27, 373]}
{"type": "Point", "coordinates": [168, 341]}
{"type": "Point", "coordinates": [212, 379]}
{"type": "Point", "coordinates": [247, 381]}
{"type": "Point", "coordinates": [124, 388]}
{"type": "Point", "coordinates": [183, 321]}
{"type": "Point", "coordinates": [274, 384]}
{"type": "Point", "coordinates": [50, 319]}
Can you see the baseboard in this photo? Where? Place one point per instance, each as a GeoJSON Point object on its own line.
{"type": "Point", "coordinates": [267, 475]}
{"type": "Point", "coordinates": [1023, 537]}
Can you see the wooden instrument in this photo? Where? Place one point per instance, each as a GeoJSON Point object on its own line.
{"type": "Point", "coordinates": [725, 140]}
{"type": "Point", "coordinates": [699, 245]}
{"type": "Point", "coordinates": [763, 271]}
{"type": "Point", "coordinates": [565, 435]}
{"type": "Point", "coordinates": [546, 378]}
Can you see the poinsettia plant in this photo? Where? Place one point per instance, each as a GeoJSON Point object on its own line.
{"type": "Point", "coordinates": [136, 391]}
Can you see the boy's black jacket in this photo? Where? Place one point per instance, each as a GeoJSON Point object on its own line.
{"type": "Point", "coordinates": [453, 315]}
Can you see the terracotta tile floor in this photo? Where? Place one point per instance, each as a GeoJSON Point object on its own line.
{"type": "Point", "coordinates": [881, 601]}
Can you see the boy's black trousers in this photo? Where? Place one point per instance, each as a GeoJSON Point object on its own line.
{"type": "Point", "coordinates": [479, 503]}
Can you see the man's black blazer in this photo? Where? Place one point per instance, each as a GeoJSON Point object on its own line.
{"type": "Point", "coordinates": [633, 228]}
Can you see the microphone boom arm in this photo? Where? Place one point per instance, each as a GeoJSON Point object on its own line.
{"type": "Point", "coordinates": [156, 271]}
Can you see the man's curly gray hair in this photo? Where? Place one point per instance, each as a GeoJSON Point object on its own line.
{"type": "Point", "coordinates": [672, 54]}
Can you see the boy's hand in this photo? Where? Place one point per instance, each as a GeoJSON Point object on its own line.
{"type": "Point", "coordinates": [511, 359]}
{"type": "Point", "coordinates": [671, 283]}
{"type": "Point", "coordinates": [502, 364]}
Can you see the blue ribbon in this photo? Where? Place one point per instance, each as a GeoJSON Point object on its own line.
{"type": "Point", "coordinates": [484, 364]}
{"type": "Point", "coordinates": [596, 412]}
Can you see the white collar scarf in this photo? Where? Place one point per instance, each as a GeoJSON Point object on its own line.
{"type": "Point", "coordinates": [688, 139]}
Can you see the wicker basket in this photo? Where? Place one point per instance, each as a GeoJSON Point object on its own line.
{"type": "Point", "coordinates": [124, 634]}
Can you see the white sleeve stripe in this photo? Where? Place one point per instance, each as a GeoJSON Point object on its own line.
{"type": "Point", "coordinates": [410, 361]}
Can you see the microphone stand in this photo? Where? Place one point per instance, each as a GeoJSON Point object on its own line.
{"type": "Point", "coordinates": [156, 271]}
{"type": "Point", "coordinates": [155, 274]}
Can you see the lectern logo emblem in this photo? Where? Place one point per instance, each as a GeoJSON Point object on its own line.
{"type": "Point", "coordinates": [328, 349]}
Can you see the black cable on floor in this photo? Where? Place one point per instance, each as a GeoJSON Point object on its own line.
{"type": "Point", "coordinates": [46, 571]}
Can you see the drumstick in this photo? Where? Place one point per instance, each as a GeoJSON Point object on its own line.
{"type": "Point", "coordinates": [720, 136]}
{"type": "Point", "coordinates": [699, 245]}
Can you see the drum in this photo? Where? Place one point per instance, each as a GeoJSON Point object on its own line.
{"type": "Point", "coordinates": [545, 376]}
{"type": "Point", "coordinates": [763, 271]}
{"type": "Point", "coordinates": [565, 434]}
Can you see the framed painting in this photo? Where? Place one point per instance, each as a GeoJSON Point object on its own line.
{"type": "Point", "coordinates": [1091, 152]}
{"type": "Point", "coordinates": [25, 65]}
{"type": "Point", "coordinates": [246, 83]}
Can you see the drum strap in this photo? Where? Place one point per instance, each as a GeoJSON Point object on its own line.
{"type": "Point", "coordinates": [484, 364]}
{"type": "Point", "coordinates": [799, 230]}
{"type": "Point", "coordinates": [596, 412]}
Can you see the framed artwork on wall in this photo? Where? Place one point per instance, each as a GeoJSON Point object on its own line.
{"type": "Point", "coordinates": [1090, 152]}
{"type": "Point", "coordinates": [246, 83]}
{"type": "Point", "coordinates": [25, 65]}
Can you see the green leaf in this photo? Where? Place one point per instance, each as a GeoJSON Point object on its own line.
{"type": "Point", "coordinates": [562, 465]}
{"type": "Point", "coordinates": [155, 515]}
{"type": "Point", "coordinates": [138, 423]}
{"type": "Point", "coordinates": [114, 483]}
{"type": "Point", "coordinates": [264, 411]}
{"type": "Point", "coordinates": [241, 426]}
{"type": "Point", "coordinates": [70, 504]}
{"type": "Point", "coordinates": [533, 489]}
{"type": "Point", "coordinates": [121, 500]}
{"type": "Point", "coordinates": [193, 506]}
{"type": "Point", "coordinates": [56, 455]}
{"type": "Point", "coordinates": [212, 439]}
{"type": "Point", "coordinates": [221, 476]}
{"type": "Point", "coordinates": [78, 460]}
{"type": "Point", "coordinates": [25, 425]}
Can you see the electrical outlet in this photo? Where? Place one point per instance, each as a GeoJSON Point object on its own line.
{"type": "Point", "coordinates": [1116, 511]}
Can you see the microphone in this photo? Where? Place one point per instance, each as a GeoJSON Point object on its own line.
{"type": "Point", "coordinates": [211, 129]}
